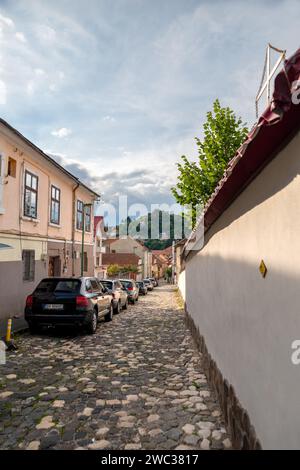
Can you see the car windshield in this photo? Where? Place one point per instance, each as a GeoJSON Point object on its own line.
{"type": "Point", "coordinates": [59, 285]}
{"type": "Point", "coordinates": [146, 281]}
{"type": "Point", "coordinates": [107, 284]}
{"type": "Point", "coordinates": [127, 283]}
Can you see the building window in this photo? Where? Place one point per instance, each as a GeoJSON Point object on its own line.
{"type": "Point", "coordinates": [30, 195]}
{"type": "Point", "coordinates": [79, 217]}
{"type": "Point", "coordinates": [88, 218]}
{"type": "Point", "coordinates": [28, 258]}
{"type": "Point", "coordinates": [98, 261]}
{"type": "Point", "coordinates": [55, 205]}
{"type": "Point", "coordinates": [12, 167]}
{"type": "Point", "coordinates": [85, 261]}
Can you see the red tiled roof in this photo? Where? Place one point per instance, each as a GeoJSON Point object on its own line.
{"type": "Point", "coordinates": [160, 259]}
{"type": "Point", "coordinates": [122, 259]}
{"type": "Point", "coordinates": [165, 252]}
{"type": "Point", "coordinates": [277, 125]}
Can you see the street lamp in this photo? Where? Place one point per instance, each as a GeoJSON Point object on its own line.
{"type": "Point", "coordinates": [83, 231]}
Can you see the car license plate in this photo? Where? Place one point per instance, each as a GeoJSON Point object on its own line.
{"type": "Point", "coordinates": [53, 307]}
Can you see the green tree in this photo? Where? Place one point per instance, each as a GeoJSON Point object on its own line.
{"type": "Point", "coordinates": [113, 269]}
{"type": "Point", "coordinates": [129, 268]}
{"type": "Point", "coordinates": [223, 135]}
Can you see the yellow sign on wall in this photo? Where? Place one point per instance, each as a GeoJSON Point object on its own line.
{"type": "Point", "coordinates": [263, 268]}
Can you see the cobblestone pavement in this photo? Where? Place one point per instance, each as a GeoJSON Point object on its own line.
{"type": "Point", "coordinates": [136, 384]}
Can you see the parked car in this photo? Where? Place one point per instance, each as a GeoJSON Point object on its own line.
{"type": "Point", "coordinates": [148, 283]}
{"type": "Point", "coordinates": [154, 281]}
{"type": "Point", "coordinates": [119, 294]}
{"type": "Point", "coordinates": [142, 287]}
{"type": "Point", "coordinates": [132, 290]}
{"type": "Point", "coordinates": [68, 301]}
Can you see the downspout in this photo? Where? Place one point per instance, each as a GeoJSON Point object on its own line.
{"type": "Point", "coordinates": [21, 203]}
{"type": "Point", "coordinates": [73, 227]}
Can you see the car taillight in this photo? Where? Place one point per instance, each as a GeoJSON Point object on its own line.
{"type": "Point", "coordinates": [29, 301]}
{"type": "Point", "coordinates": [130, 288]}
{"type": "Point", "coordinates": [81, 301]}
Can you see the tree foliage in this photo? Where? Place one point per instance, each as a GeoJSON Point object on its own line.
{"type": "Point", "coordinates": [223, 135]}
{"type": "Point", "coordinates": [115, 269]}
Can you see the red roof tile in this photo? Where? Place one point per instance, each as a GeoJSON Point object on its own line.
{"type": "Point", "coordinates": [122, 259]}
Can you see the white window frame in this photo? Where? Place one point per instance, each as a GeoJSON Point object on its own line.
{"type": "Point", "coordinates": [26, 217]}
{"type": "Point", "coordinates": [55, 224]}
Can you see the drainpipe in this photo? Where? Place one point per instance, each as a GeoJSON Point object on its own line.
{"type": "Point", "coordinates": [82, 240]}
{"type": "Point", "coordinates": [73, 227]}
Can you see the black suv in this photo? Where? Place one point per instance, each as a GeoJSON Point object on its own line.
{"type": "Point", "coordinates": [68, 301]}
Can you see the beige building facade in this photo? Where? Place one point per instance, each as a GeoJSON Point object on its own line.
{"type": "Point", "coordinates": [41, 215]}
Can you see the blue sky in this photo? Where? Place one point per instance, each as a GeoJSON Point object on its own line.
{"type": "Point", "coordinates": [118, 89]}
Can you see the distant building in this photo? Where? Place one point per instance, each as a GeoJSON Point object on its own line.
{"type": "Point", "coordinates": [162, 259]}
{"type": "Point", "coordinates": [130, 245]}
{"type": "Point", "coordinates": [123, 260]}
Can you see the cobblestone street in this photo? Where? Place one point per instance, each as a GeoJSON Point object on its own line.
{"type": "Point", "coordinates": [136, 384]}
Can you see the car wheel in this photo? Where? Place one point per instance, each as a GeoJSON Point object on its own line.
{"type": "Point", "coordinates": [133, 301]}
{"type": "Point", "coordinates": [125, 306]}
{"type": "Point", "coordinates": [92, 323]}
{"type": "Point", "coordinates": [117, 309]}
{"type": "Point", "coordinates": [137, 298]}
{"type": "Point", "coordinates": [109, 315]}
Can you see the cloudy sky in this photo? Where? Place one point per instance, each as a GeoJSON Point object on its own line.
{"type": "Point", "coordinates": [117, 89]}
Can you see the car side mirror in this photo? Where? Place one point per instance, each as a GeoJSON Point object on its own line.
{"type": "Point", "coordinates": [104, 290]}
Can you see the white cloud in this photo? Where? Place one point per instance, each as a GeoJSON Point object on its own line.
{"type": "Point", "coordinates": [148, 89]}
{"type": "Point", "coordinates": [108, 118]}
{"type": "Point", "coordinates": [62, 132]}
{"type": "Point", "coordinates": [46, 33]}
{"type": "Point", "coordinates": [7, 21]}
{"type": "Point", "coordinates": [40, 72]}
{"type": "Point", "coordinates": [30, 87]}
{"type": "Point", "coordinates": [3, 92]}
{"type": "Point", "coordinates": [20, 36]}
